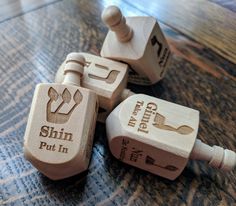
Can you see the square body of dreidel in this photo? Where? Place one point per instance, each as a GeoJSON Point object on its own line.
{"type": "Point", "coordinates": [152, 134]}
{"type": "Point", "coordinates": [59, 133]}
{"type": "Point", "coordinates": [147, 52]}
{"type": "Point", "coordinates": [106, 77]}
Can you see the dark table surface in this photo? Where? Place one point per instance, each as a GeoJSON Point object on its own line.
{"type": "Point", "coordinates": [36, 36]}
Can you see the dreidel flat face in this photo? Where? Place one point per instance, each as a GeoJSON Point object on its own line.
{"type": "Point", "coordinates": [106, 77]}
{"type": "Point", "coordinates": [59, 133]}
{"type": "Point", "coordinates": [147, 52]}
{"type": "Point", "coordinates": [152, 134]}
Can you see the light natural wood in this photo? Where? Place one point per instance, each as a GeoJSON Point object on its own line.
{"type": "Point", "coordinates": [61, 124]}
{"type": "Point", "coordinates": [116, 22]}
{"type": "Point", "coordinates": [35, 44]}
{"type": "Point", "coordinates": [106, 77]}
{"type": "Point", "coordinates": [159, 136]}
{"type": "Point", "coordinates": [142, 133]}
{"type": "Point", "coordinates": [146, 51]}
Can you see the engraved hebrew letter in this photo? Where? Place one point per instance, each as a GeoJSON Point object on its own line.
{"type": "Point", "coordinates": [154, 41]}
{"type": "Point", "coordinates": [150, 161]}
{"type": "Point", "coordinates": [111, 77]}
{"type": "Point", "coordinates": [159, 122]}
{"type": "Point", "coordinates": [57, 117]}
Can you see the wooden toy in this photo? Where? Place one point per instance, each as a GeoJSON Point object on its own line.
{"type": "Point", "coordinates": [59, 133]}
{"type": "Point", "coordinates": [160, 137]}
{"type": "Point", "coordinates": [106, 77]}
{"type": "Point", "coordinates": [137, 41]}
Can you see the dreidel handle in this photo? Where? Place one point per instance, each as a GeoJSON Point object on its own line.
{"type": "Point", "coordinates": [74, 69]}
{"type": "Point", "coordinates": [116, 22]}
{"type": "Point", "coordinates": [216, 156]}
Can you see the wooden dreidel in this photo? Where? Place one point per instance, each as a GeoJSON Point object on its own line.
{"type": "Point", "coordinates": [137, 41]}
{"type": "Point", "coordinates": [160, 137]}
{"type": "Point", "coordinates": [59, 133]}
{"type": "Point", "coordinates": [106, 77]}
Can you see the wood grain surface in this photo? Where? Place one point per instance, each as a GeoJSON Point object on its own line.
{"type": "Point", "coordinates": [205, 21]}
{"type": "Point", "coordinates": [13, 8]}
{"type": "Point", "coordinates": [229, 4]}
{"type": "Point", "coordinates": [201, 76]}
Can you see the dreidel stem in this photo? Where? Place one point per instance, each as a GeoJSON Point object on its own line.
{"type": "Point", "coordinates": [74, 69]}
{"type": "Point", "coordinates": [216, 156]}
{"type": "Point", "coordinates": [126, 93]}
{"type": "Point", "coordinates": [116, 22]}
